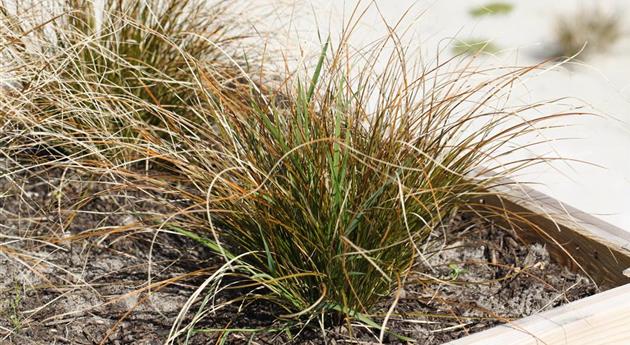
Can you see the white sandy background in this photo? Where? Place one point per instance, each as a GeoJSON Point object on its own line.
{"type": "Point", "coordinates": [524, 35]}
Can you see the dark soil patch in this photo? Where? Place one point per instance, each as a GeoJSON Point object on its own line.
{"type": "Point", "coordinates": [96, 289]}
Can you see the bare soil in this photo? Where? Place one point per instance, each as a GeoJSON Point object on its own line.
{"type": "Point", "coordinates": [79, 267]}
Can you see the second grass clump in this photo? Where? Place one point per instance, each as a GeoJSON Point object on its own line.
{"type": "Point", "coordinates": [113, 72]}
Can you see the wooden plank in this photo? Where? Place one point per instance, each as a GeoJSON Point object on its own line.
{"type": "Point", "coordinates": [602, 319]}
{"type": "Point", "coordinates": [574, 239]}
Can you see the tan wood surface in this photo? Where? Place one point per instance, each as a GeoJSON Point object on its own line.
{"type": "Point", "coordinates": [574, 238]}
{"type": "Point", "coordinates": [602, 319]}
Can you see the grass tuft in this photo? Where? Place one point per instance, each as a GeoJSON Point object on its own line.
{"type": "Point", "coordinates": [586, 32]}
{"type": "Point", "coordinates": [113, 73]}
{"type": "Point", "coordinates": [323, 196]}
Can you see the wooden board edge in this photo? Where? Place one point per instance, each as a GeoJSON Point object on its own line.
{"type": "Point", "coordinates": [574, 238]}
{"type": "Point", "coordinates": [598, 319]}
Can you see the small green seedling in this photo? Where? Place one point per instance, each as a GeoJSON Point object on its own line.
{"type": "Point", "coordinates": [456, 271]}
{"type": "Point", "coordinates": [474, 47]}
{"type": "Point", "coordinates": [14, 317]}
{"type": "Point", "coordinates": [491, 9]}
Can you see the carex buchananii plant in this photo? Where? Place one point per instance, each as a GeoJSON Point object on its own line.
{"type": "Point", "coordinates": [114, 71]}
{"type": "Point", "coordinates": [324, 193]}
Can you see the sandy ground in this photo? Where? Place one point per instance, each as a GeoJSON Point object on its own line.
{"type": "Point", "coordinates": [602, 82]}
{"type": "Point", "coordinates": [125, 284]}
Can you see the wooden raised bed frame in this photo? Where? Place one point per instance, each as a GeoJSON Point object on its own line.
{"type": "Point", "coordinates": [580, 242]}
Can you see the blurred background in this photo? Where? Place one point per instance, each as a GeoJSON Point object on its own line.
{"type": "Point", "coordinates": [585, 45]}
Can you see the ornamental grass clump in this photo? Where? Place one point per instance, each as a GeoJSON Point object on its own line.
{"type": "Point", "coordinates": [325, 195]}
{"type": "Point", "coordinates": [112, 72]}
